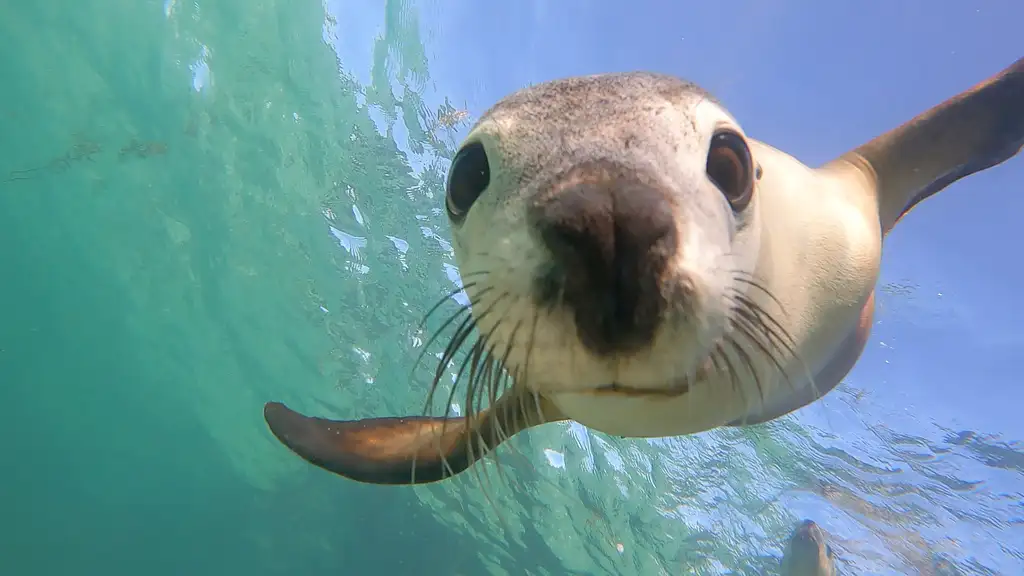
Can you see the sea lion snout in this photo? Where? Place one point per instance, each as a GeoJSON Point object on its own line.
{"type": "Point", "coordinates": [611, 238]}
{"type": "Point", "coordinates": [809, 553]}
{"type": "Point", "coordinates": [808, 533]}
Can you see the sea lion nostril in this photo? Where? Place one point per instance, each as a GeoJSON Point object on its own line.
{"type": "Point", "coordinates": [610, 240]}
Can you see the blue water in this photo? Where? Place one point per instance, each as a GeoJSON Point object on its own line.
{"type": "Point", "coordinates": [208, 205]}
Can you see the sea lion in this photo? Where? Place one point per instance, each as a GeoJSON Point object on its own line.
{"type": "Point", "coordinates": [637, 263]}
{"type": "Point", "coordinates": [808, 552]}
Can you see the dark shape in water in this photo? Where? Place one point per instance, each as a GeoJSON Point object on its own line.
{"type": "Point", "coordinates": [808, 552]}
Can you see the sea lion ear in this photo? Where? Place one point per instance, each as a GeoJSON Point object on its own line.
{"type": "Point", "coordinates": [376, 450]}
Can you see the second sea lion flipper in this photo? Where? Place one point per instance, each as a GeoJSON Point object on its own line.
{"type": "Point", "coordinates": [404, 450]}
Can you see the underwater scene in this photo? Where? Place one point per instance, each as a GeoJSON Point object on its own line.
{"type": "Point", "coordinates": [208, 206]}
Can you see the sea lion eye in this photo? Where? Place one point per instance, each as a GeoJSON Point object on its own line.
{"type": "Point", "coordinates": [730, 167]}
{"type": "Point", "coordinates": [468, 177]}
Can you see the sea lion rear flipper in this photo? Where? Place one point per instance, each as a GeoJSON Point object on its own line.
{"type": "Point", "coordinates": [406, 450]}
{"type": "Point", "coordinates": [975, 130]}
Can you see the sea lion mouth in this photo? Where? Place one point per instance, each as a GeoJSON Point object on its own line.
{"type": "Point", "coordinates": [615, 389]}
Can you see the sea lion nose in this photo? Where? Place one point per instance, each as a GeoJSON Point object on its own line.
{"type": "Point", "coordinates": [611, 240]}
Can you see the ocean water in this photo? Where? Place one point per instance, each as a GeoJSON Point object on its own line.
{"type": "Point", "coordinates": [208, 205]}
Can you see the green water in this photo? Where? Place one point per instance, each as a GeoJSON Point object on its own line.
{"type": "Point", "coordinates": [167, 267]}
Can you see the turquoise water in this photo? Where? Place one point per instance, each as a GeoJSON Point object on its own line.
{"type": "Point", "coordinates": [202, 208]}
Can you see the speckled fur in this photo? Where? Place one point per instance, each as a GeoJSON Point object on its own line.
{"type": "Point", "coordinates": [811, 237]}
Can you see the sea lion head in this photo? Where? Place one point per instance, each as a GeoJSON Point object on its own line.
{"type": "Point", "coordinates": [808, 552]}
{"type": "Point", "coordinates": [607, 231]}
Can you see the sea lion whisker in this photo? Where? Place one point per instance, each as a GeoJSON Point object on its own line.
{"type": "Point", "coordinates": [763, 324]}
{"type": "Point", "coordinates": [760, 336]}
{"type": "Point", "coordinates": [502, 377]}
{"type": "Point", "coordinates": [747, 360]}
{"type": "Point", "coordinates": [734, 375]}
{"type": "Point", "coordinates": [482, 378]}
{"type": "Point", "coordinates": [715, 357]}
{"type": "Point", "coordinates": [741, 296]}
{"type": "Point", "coordinates": [513, 417]}
{"type": "Point", "coordinates": [464, 287]}
{"type": "Point", "coordinates": [451, 348]}
{"type": "Point", "coordinates": [774, 330]}
{"type": "Point", "coordinates": [466, 416]}
{"type": "Point", "coordinates": [472, 440]}
{"type": "Point", "coordinates": [769, 321]}
{"type": "Point", "coordinates": [456, 343]}
{"type": "Point", "coordinates": [475, 445]}
{"type": "Point", "coordinates": [472, 362]}
{"type": "Point", "coordinates": [462, 309]}
{"type": "Point", "coordinates": [475, 273]}
{"type": "Point", "coordinates": [486, 313]}
{"type": "Point", "coordinates": [729, 343]}
{"type": "Point", "coordinates": [500, 364]}
{"type": "Point", "coordinates": [749, 280]}
{"type": "Point", "coordinates": [529, 344]}
{"type": "Point", "coordinates": [526, 362]}
{"type": "Point", "coordinates": [425, 348]}
{"type": "Point", "coordinates": [464, 330]}
{"type": "Point", "coordinates": [735, 379]}
{"type": "Point", "coordinates": [441, 302]}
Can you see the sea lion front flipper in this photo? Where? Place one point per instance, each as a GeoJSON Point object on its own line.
{"type": "Point", "coordinates": [975, 130]}
{"type": "Point", "coordinates": [405, 450]}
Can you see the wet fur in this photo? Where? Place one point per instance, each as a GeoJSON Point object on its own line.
{"type": "Point", "coordinates": [808, 552]}
{"type": "Point", "coordinates": [778, 300]}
